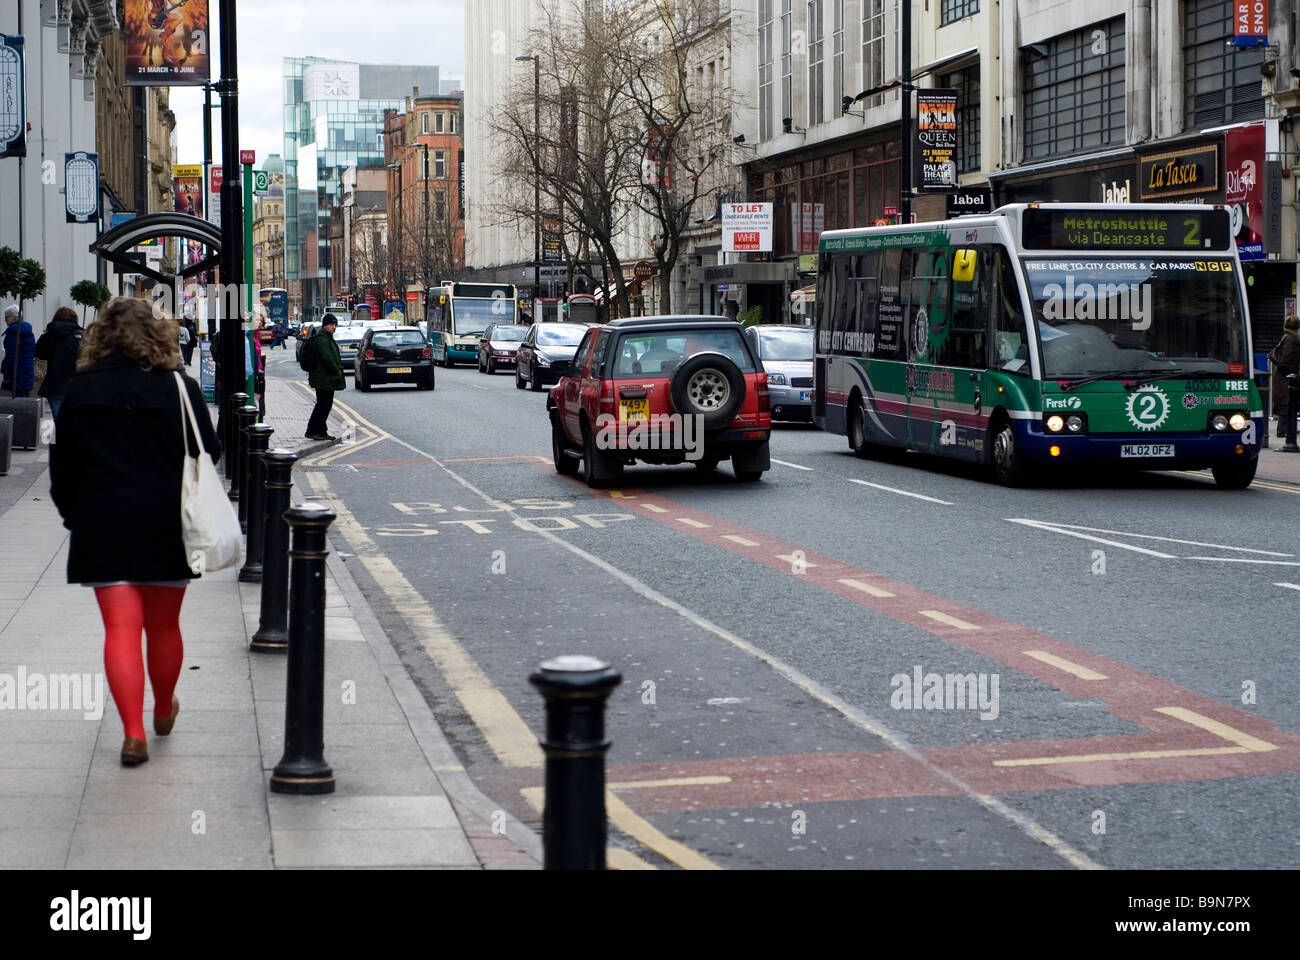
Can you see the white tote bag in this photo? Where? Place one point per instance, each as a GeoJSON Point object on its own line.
{"type": "Point", "coordinates": [209, 523]}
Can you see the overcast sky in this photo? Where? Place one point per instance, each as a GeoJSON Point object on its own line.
{"type": "Point", "coordinates": [420, 32]}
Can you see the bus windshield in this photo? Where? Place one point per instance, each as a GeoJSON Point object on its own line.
{"type": "Point", "coordinates": [473, 316]}
{"type": "Point", "coordinates": [1139, 315]}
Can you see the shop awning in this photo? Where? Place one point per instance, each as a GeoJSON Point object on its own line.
{"type": "Point", "coordinates": [806, 294]}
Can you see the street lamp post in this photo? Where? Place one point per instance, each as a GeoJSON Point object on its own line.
{"type": "Point", "coordinates": [537, 177]}
{"type": "Point", "coordinates": [232, 219]}
{"type": "Point", "coordinates": [424, 174]}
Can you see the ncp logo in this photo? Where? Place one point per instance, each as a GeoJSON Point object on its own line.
{"type": "Point", "coordinates": [1065, 403]}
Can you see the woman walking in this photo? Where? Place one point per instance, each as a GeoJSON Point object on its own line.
{"type": "Point", "coordinates": [122, 444]}
{"type": "Point", "coordinates": [1286, 360]}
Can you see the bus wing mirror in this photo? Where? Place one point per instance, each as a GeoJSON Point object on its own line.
{"type": "Point", "coordinates": [963, 266]}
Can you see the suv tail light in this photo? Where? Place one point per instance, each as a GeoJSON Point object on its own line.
{"type": "Point", "coordinates": [370, 354]}
{"type": "Point", "coordinates": [764, 402]}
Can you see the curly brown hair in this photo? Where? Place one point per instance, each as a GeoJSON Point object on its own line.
{"type": "Point", "coordinates": [130, 325]}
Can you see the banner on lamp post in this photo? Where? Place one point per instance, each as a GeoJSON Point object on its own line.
{"type": "Point", "coordinates": [13, 101]}
{"type": "Point", "coordinates": [166, 43]}
{"type": "Point", "coordinates": [81, 186]}
{"type": "Point", "coordinates": [936, 140]}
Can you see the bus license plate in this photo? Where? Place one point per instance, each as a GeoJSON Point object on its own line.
{"type": "Point", "coordinates": [629, 410]}
{"type": "Point", "coordinates": [1144, 450]}
{"type": "Point", "coordinates": [399, 369]}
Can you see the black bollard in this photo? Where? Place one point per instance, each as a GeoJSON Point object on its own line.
{"type": "Point", "coordinates": [272, 634]}
{"type": "Point", "coordinates": [237, 401]}
{"type": "Point", "coordinates": [246, 417]}
{"type": "Point", "coordinates": [573, 821]}
{"type": "Point", "coordinates": [303, 769]}
{"type": "Point", "coordinates": [259, 436]}
{"type": "Point", "coordinates": [1292, 409]}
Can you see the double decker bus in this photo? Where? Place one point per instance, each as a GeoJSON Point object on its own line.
{"type": "Point", "coordinates": [458, 313]}
{"type": "Point", "coordinates": [1042, 337]}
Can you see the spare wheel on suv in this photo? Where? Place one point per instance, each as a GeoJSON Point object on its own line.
{"type": "Point", "coordinates": [709, 385]}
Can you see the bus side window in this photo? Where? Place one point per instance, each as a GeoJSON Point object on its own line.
{"type": "Point", "coordinates": [927, 305]}
{"type": "Point", "coordinates": [825, 299]}
{"type": "Point", "coordinates": [894, 270]}
{"type": "Point", "coordinates": [1010, 346]}
{"type": "Point", "coordinates": [966, 343]}
{"type": "Point", "coordinates": [863, 299]}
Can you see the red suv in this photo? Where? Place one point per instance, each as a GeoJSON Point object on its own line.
{"type": "Point", "coordinates": [661, 390]}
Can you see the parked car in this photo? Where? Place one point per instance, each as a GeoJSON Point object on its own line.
{"type": "Point", "coordinates": [786, 353]}
{"type": "Point", "coordinates": [546, 344]}
{"type": "Point", "coordinates": [399, 355]}
{"type": "Point", "coordinates": [499, 346]}
{"type": "Point", "coordinates": [661, 372]}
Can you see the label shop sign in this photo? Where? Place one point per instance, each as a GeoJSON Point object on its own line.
{"type": "Point", "coordinates": [1178, 174]}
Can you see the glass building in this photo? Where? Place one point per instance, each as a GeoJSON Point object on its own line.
{"type": "Point", "coordinates": [333, 119]}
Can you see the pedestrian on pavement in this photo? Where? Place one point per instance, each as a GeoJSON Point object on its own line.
{"type": "Point", "coordinates": [18, 369]}
{"type": "Point", "coordinates": [280, 333]}
{"type": "Point", "coordinates": [186, 342]}
{"type": "Point", "coordinates": [326, 377]}
{"type": "Point", "coordinates": [258, 386]}
{"type": "Point", "coordinates": [115, 477]}
{"type": "Point", "coordinates": [59, 346]}
{"type": "Point", "coordinates": [1286, 359]}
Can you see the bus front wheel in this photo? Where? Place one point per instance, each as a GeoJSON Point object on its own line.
{"type": "Point", "coordinates": [1009, 468]}
{"type": "Point", "coordinates": [1235, 474]}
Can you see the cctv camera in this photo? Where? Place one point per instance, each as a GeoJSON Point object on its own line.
{"type": "Point", "coordinates": [739, 139]}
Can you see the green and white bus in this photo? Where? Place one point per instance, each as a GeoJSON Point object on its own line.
{"type": "Point", "coordinates": [1041, 337]}
{"type": "Point", "coordinates": [458, 313]}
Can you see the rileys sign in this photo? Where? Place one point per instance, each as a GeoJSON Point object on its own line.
{"type": "Point", "coordinates": [1175, 174]}
{"type": "Point", "coordinates": [1250, 23]}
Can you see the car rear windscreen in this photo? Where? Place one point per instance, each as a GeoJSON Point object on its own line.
{"type": "Point", "coordinates": [399, 338]}
{"type": "Point", "coordinates": [658, 354]}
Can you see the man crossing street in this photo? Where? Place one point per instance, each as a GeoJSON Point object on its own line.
{"type": "Point", "coordinates": [326, 377]}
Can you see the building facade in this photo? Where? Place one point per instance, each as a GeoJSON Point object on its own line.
{"type": "Point", "coordinates": [268, 228]}
{"type": "Point", "coordinates": [334, 114]}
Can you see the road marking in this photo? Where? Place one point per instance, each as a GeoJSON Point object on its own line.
{"type": "Point", "coordinates": [1275, 486]}
{"type": "Point", "coordinates": [620, 495]}
{"type": "Point", "coordinates": [794, 466]}
{"type": "Point", "coordinates": [951, 621]}
{"type": "Point", "coordinates": [616, 858]}
{"type": "Point", "coordinates": [1083, 673]}
{"type": "Point", "coordinates": [791, 558]}
{"type": "Point", "coordinates": [905, 493]}
{"type": "Point", "coordinates": [648, 835]}
{"type": "Point", "coordinates": [694, 523]}
{"type": "Point", "coordinates": [653, 508]}
{"type": "Point", "coordinates": [866, 588]}
{"type": "Point", "coordinates": [514, 744]}
{"type": "Point", "coordinates": [677, 782]}
{"type": "Point", "coordinates": [742, 541]}
{"type": "Point", "coordinates": [1271, 563]}
{"type": "Point", "coordinates": [1253, 744]}
{"type": "Point", "coordinates": [1289, 586]}
{"type": "Point", "coordinates": [855, 715]}
{"type": "Point", "coordinates": [1058, 528]}
{"type": "Point", "coordinates": [1069, 530]}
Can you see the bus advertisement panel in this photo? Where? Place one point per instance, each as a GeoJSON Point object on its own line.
{"type": "Point", "coordinates": [1047, 336]}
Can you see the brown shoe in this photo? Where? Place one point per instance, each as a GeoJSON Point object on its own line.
{"type": "Point", "coordinates": [134, 752]}
{"type": "Point", "coordinates": [163, 725]}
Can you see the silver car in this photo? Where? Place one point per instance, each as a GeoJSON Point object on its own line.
{"type": "Point", "coordinates": [787, 356]}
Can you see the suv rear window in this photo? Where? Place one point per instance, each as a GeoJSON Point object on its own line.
{"type": "Point", "coordinates": [658, 354]}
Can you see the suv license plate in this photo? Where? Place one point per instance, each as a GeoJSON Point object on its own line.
{"type": "Point", "coordinates": [1144, 450]}
{"type": "Point", "coordinates": [399, 369]}
{"type": "Point", "coordinates": [629, 410]}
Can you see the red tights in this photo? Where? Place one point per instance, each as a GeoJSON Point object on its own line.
{"type": "Point", "coordinates": [126, 611]}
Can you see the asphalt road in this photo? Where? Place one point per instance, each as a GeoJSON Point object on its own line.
{"type": "Point", "coordinates": [1130, 643]}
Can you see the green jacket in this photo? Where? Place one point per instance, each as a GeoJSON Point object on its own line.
{"type": "Point", "coordinates": [328, 374]}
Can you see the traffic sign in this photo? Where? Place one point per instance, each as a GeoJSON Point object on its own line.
{"type": "Point", "coordinates": [248, 157]}
{"type": "Point", "coordinates": [261, 181]}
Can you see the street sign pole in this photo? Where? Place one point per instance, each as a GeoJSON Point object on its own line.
{"type": "Point", "coordinates": [246, 159]}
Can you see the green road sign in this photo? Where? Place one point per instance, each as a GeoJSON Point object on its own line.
{"type": "Point", "coordinates": [261, 182]}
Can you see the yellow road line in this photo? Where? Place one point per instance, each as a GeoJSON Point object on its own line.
{"type": "Point", "coordinates": [1083, 673]}
{"type": "Point", "coordinates": [1232, 735]}
{"type": "Point", "coordinates": [865, 588]}
{"type": "Point", "coordinates": [694, 523]}
{"type": "Point", "coordinates": [644, 832]}
{"type": "Point", "coordinates": [679, 782]}
{"type": "Point", "coordinates": [743, 541]}
{"type": "Point", "coordinates": [951, 621]}
{"type": "Point", "coordinates": [616, 858]}
{"type": "Point", "coordinates": [620, 495]}
{"type": "Point", "coordinates": [514, 744]}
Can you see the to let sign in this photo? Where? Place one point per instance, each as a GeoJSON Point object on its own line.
{"type": "Point", "coordinates": [747, 227]}
{"type": "Point", "coordinates": [1250, 23]}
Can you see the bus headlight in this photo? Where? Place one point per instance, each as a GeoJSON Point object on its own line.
{"type": "Point", "coordinates": [1237, 422]}
{"type": "Point", "coordinates": [1055, 423]}
{"type": "Point", "coordinates": [1219, 422]}
{"type": "Point", "coordinates": [1075, 423]}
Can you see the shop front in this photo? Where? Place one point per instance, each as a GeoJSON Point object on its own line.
{"type": "Point", "coordinates": [762, 284]}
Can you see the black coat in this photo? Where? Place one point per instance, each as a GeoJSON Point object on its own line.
{"type": "Point", "coordinates": [58, 347]}
{"type": "Point", "coordinates": [115, 471]}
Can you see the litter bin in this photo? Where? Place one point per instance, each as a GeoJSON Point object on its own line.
{"type": "Point", "coordinates": [6, 441]}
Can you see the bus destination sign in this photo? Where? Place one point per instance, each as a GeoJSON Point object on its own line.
{"type": "Point", "coordinates": [1145, 230]}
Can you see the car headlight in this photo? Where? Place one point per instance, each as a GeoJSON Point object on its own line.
{"type": "Point", "coordinates": [1237, 422]}
{"type": "Point", "coordinates": [541, 360]}
{"type": "Point", "coordinates": [776, 379]}
{"type": "Point", "coordinates": [1055, 423]}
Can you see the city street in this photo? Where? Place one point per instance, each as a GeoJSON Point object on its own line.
{"type": "Point", "coordinates": [1129, 692]}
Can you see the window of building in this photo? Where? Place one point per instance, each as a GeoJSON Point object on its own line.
{"type": "Point", "coordinates": [424, 123]}
{"type": "Point", "coordinates": [837, 68]}
{"type": "Point", "coordinates": [440, 206]}
{"type": "Point", "coordinates": [1073, 91]}
{"type": "Point", "coordinates": [816, 61]}
{"type": "Point", "coordinates": [439, 165]}
{"type": "Point", "coordinates": [1221, 82]}
{"type": "Point", "coordinates": [967, 84]}
{"type": "Point", "coordinates": [439, 123]}
{"type": "Point", "coordinates": [873, 47]}
{"type": "Point", "coordinates": [953, 10]}
{"type": "Point", "coordinates": [765, 58]}
{"type": "Point", "coordinates": [787, 60]}
{"type": "Point", "coordinates": [451, 123]}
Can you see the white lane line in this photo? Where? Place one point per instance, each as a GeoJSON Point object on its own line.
{"type": "Point", "coordinates": [941, 617]}
{"type": "Point", "coordinates": [1289, 586]}
{"type": "Point", "coordinates": [866, 588]}
{"type": "Point", "coordinates": [905, 493]}
{"type": "Point", "coordinates": [1062, 527]}
{"type": "Point", "coordinates": [1069, 666]}
{"type": "Point", "coordinates": [743, 541]}
{"type": "Point", "coordinates": [792, 465]}
{"type": "Point", "coordinates": [791, 558]}
{"type": "Point", "coordinates": [694, 523]}
{"type": "Point", "coordinates": [1272, 563]}
{"type": "Point", "coordinates": [1054, 528]}
{"type": "Point", "coordinates": [653, 508]}
{"type": "Point", "coordinates": [1071, 855]}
